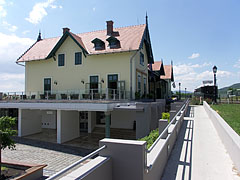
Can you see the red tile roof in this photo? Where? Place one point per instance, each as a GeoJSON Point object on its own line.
{"type": "Point", "coordinates": [168, 72]}
{"type": "Point", "coordinates": [130, 38]}
{"type": "Point", "coordinates": [156, 66]}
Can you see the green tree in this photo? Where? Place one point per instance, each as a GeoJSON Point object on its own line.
{"type": "Point", "coordinates": [6, 132]}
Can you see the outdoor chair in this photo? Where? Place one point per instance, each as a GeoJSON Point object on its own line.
{"type": "Point", "coordinates": [63, 96]}
{"type": "Point", "coordinates": [33, 96]}
{"type": "Point", "coordinates": [42, 96]}
{"type": "Point", "coordinates": [23, 96]}
{"type": "Point", "coordinates": [74, 96]}
{"type": "Point", "coordinates": [52, 96]}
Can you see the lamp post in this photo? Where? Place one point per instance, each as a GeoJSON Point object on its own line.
{"type": "Point", "coordinates": [179, 91]}
{"type": "Point", "coordinates": [185, 93]}
{"type": "Point", "coordinates": [215, 83]}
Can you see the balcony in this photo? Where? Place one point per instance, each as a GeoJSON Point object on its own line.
{"type": "Point", "coordinates": [68, 95]}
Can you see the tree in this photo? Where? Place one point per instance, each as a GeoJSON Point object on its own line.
{"type": "Point", "coordinates": [6, 132]}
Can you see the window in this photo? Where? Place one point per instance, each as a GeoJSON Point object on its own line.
{"type": "Point", "coordinates": [145, 85]}
{"type": "Point", "coordinates": [98, 44]}
{"type": "Point", "coordinates": [78, 58]}
{"type": "Point", "coordinates": [61, 58]}
{"type": "Point", "coordinates": [112, 81]}
{"type": "Point", "coordinates": [94, 83]}
{"type": "Point", "coordinates": [139, 83]}
{"type": "Point", "coordinates": [113, 42]}
{"type": "Point", "coordinates": [47, 84]}
{"type": "Point", "coordinates": [141, 58]}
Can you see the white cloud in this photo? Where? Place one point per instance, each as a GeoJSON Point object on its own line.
{"type": "Point", "coordinates": [12, 82]}
{"type": "Point", "coordinates": [2, 2]}
{"type": "Point", "coordinates": [237, 65]}
{"type": "Point", "coordinates": [194, 56]}
{"type": "Point", "coordinates": [12, 46]}
{"type": "Point", "coordinates": [60, 7]}
{"type": "Point", "coordinates": [3, 12]}
{"type": "Point", "coordinates": [189, 76]}
{"type": "Point", "coordinates": [9, 27]}
{"type": "Point", "coordinates": [25, 32]}
{"type": "Point", "coordinates": [94, 9]}
{"type": "Point", "coordinates": [39, 11]}
{"type": "Point", "coordinates": [12, 75]}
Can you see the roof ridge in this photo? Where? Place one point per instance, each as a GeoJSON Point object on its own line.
{"type": "Point", "coordinates": [94, 31]}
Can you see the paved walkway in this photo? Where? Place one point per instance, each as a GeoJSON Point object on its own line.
{"type": "Point", "coordinates": [199, 153]}
{"type": "Point", "coordinates": [55, 156]}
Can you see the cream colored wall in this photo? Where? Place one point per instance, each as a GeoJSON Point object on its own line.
{"type": "Point", "coordinates": [69, 77]}
{"type": "Point", "coordinates": [141, 69]}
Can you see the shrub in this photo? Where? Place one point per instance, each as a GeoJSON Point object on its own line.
{"type": "Point", "coordinates": [166, 116]}
{"type": "Point", "coordinates": [150, 138]}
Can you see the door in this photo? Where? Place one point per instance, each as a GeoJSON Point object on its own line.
{"type": "Point", "coordinates": [94, 83]}
{"type": "Point", "coordinates": [47, 85]}
{"type": "Point", "coordinates": [83, 121]}
{"type": "Point", "coordinates": [112, 85]}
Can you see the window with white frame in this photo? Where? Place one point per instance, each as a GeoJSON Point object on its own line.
{"type": "Point", "coordinates": [141, 58]}
{"type": "Point", "coordinates": [139, 83]}
{"type": "Point", "coordinates": [145, 85]}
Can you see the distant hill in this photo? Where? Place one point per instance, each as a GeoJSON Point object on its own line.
{"type": "Point", "coordinates": [223, 91]}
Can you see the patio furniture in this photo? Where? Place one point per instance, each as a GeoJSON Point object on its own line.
{"type": "Point", "coordinates": [33, 96]}
{"type": "Point", "coordinates": [74, 96]}
{"type": "Point", "coordinates": [96, 96]}
{"type": "Point", "coordinates": [52, 96]}
{"type": "Point", "coordinates": [42, 96]}
{"type": "Point", "coordinates": [86, 96]}
{"type": "Point", "coordinates": [23, 96]}
{"type": "Point", "coordinates": [103, 96]}
{"type": "Point", "coordinates": [63, 96]}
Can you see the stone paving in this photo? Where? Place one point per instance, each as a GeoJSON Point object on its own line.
{"type": "Point", "coordinates": [55, 156]}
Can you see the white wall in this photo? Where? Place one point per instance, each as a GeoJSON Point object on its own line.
{"type": "Point", "coordinates": [49, 119]}
{"type": "Point", "coordinates": [67, 125]}
{"type": "Point", "coordinates": [91, 120]}
{"type": "Point", "coordinates": [29, 122]}
{"type": "Point", "coordinates": [122, 119]}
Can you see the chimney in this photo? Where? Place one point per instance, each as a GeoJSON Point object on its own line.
{"type": "Point", "coordinates": [65, 29]}
{"type": "Point", "coordinates": [109, 28]}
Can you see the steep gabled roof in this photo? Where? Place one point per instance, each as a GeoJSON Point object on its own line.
{"type": "Point", "coordinates": [158, 67]}
{"type": "Point", "coordinates": [168, 72]}
{"type": "Point", "coordinates": [130, 38]}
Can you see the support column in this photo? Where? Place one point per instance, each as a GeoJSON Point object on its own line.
{"type": "Point", "coordinates": [107, 124]}
{"type": "Point", "coordinates": [59, 126]}
{"type": "Point", "coordinates": [20, 122]}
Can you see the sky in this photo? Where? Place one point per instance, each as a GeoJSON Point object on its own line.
{"type": "Point", "coordinates": [194, 34]}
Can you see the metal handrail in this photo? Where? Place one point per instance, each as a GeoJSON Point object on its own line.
{"type": "Point", "coordinates": [76, 163]}
{"type": "Point", "coordinates": [151, 165]}
{"type": "Point", "coordinates": [165, 130]}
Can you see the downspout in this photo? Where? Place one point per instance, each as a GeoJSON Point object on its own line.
{"type": "Point", "coordinates": [131, 59]}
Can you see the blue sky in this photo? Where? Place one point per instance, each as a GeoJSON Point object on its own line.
{"type": "Point", "coordinates": [195, 35]}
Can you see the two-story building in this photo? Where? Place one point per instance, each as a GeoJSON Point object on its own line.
{"type": "Point", "coordinates": [79, 82]}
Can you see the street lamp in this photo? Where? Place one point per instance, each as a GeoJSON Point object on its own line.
{"type": "Point", "coordinates": [179, 91]}
{"type": "Point", "coordinates": [215, 83]}
{"type": "Point", "coordinates": [185, 93]}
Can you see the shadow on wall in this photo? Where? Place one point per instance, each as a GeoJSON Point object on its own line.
{"type": "Point", "coordinates": [181, 157]}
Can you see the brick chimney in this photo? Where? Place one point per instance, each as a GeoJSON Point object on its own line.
{"type": "Point", "coordinates": [65, 29]}
{"type": "Point", "coordinates": [109, 28]}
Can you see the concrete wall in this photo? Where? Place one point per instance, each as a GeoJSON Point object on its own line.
{"type": "Point", "coordinates": [154, 116]}
{"type": "Point", "coordinates": [143, 120]}
{"type": "Point", "coordinates": [163, 102]}
{"type": "Point", "coordinates": [91, 120]}
{"type": "Point", "coordinates": [99, 168]}
{"type": "Point", "coordinates": [67, 125]}
{"type": "Point", "coordinates": [49, 119]}
{"type": "Point", "coordinates": [128, 158]}
{"type": "Point", "coordinates": [122, 119]}
{"type": "Point", "coordinates": [29, 122]}
{"type": "Point", "coordinates": [229, 137]}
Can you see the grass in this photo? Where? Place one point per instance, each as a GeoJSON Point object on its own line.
{"type": "Point", "coordinates": [150, 138]}
{"type": "Point", "coordinates": [230, 113]}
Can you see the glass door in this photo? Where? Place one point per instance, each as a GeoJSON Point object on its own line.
{"type": "Point", "coordinates": [83, 121]}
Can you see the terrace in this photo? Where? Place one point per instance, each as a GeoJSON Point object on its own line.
{"type": "Point", "coordinates": [67, 95]}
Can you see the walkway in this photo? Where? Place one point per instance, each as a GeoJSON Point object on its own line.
{"type": "Point", "coordinates": [199, 153]}
{"type": "Point", "coordinates": [56, 156]}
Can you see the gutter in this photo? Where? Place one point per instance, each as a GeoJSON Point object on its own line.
{"type": "Point", "coordinates": [131, 72]}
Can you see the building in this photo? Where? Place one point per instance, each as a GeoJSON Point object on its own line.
{"type": "Point", "coordinates": [206, 90]}
{"type": "Point", "coordinates": [79, 82]}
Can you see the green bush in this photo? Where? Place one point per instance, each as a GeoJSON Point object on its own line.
{"type": "Point", "coordinates": [150, 138]}
{"type": "Point", "coordinates": [166, 116]}
{"type": "Point", "coordinates": [137, 95]}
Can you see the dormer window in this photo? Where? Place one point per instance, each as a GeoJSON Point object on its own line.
{"type": "Point", "coordinates": [98, 44]}
{"type": "Point", "coordinates": [113, 42]}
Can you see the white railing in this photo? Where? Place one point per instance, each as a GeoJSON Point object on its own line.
{"type": "Point", "coordinates": [185, 105]}
{"type": "Point", "coordinates": [63, 171]}
{"type": "Point", "coordinates": [86, 94]}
